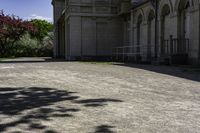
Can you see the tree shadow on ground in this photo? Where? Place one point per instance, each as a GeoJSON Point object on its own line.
{"type": "Point", "coordinates": [35, 100]}
{"type": "Point", "coordinates": [29, 106]}
{"type": "Point", "coordinates": [168, 70]}
{"type": "Point", "coordinates": [96, 102]}
{"type": "Point", "coordinates": [15, 100]}
{"type": "Point", "coordinates": [104, 129]}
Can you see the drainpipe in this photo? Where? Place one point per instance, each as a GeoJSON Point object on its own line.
{"type": "Point", "coordinates": [199, 37]}
{"type": "Point", "coordinates": [156, 29]}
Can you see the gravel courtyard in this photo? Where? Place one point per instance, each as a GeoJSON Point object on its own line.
{"type": "Point", "coordinates": [77, 97]}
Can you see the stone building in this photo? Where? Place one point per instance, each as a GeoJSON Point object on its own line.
{"type": "Point", "coordinates": [137, 30]}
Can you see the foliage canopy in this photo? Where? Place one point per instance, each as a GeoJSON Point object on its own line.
{"type": "Point", "coordinates": [43, 28]}
{"type": "Point", "coordinates": [12, 28]}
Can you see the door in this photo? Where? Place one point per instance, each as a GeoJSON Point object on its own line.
{"type": "Point", "coordinates": [61, 41]}
{"type": "Point", "coordinates": [150, 39]}
{"type": "Point", "coordinates": [102, 48]}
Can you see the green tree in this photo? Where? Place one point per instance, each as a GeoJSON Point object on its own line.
{"type": "Point", "coordinates": [12, 28]}
{"type": "Point", "coordinates": [43, 29]}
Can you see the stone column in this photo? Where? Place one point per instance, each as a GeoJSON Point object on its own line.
{"type": "Point", "coordinates": [55, 42]}
{"type": "Point", "coordinates": [199, 32]}
{"type": "Point", "coordinates": [131, 29]}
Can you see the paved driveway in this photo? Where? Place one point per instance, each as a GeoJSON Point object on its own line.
{"type": "Point", "coordinates": [74, 97]}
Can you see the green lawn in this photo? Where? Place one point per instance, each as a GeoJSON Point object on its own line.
{"type": "Point", "coordinates": [98, 62]}
{"type": "Point", "coordinates": [190, 69]}
{"type": "Point", "coordinates": [2, 59]}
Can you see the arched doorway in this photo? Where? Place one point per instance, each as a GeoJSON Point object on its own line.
{"type": "Point", "coordinates": [139, 34]}
{"type": "Point", "coordinates": [165, 19]}
{"type": "Point", "coordinates": [183, 19]}
{"type": "Point", "coordinates": [183, 25]}
{"type": "Point", "coordinates": [150, 33]}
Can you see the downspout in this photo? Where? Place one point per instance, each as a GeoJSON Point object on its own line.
{"type": "Point", "coordinates": [199, 37]}
{"type": "Point", "coordinates": [156, 29]}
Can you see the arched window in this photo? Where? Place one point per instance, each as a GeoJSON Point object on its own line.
{"type": "Point", "coordinates": [150, 33]}
{"type": "Point", "coordinates": [139, 22]}
{"type": "Point", "coordinates": [164, 26]}
{"type": "Point", "coordinates": [183, 19]}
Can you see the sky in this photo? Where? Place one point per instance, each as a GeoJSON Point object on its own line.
{"type": "Point", "coordinates": [28, 9]}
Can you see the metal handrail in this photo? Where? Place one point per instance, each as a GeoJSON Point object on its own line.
{"type": "Point", "coordinates": [127, 51]}
{"type": "Point", "coordinates": [167, 48]}
{"type": "Point", "coordinates": [175, 46]}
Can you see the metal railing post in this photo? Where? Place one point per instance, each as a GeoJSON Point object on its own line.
{"type": "Point", "coordinates": [171, 44]}
{"type": "Point", "coordinates": [123, 54]}
{"type": "Point", "coordinates": [117, 54]}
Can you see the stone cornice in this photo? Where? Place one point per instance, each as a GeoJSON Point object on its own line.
{"type": "Point", "coordinates": [53, 1]}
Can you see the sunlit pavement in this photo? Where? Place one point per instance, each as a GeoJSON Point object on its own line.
{"type": "Point", "coordinates": [77, 97]}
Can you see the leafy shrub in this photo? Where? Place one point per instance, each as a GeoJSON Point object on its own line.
{"type": "Point", "coordinates": [46, 45]}
{"type": "Point", "coordinates": [31, 47]}
{"type": "Point", "coordinates": [25, 38]}
{"type": "Point", "coordinates": [12, 28]}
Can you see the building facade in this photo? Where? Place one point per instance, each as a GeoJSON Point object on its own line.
{"type": "Point", "coordinates": [137, 30]}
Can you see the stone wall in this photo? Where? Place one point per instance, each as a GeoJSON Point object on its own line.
{"type": "Point", "coordinates": [58, 9]}
{"type": "Point", "coordinates": [168, 24]}
{"type": "Point", "coordinates": [95, 27]}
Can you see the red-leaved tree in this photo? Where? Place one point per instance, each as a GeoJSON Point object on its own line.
{"type": "Point", "coordinates": [12, 28]}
